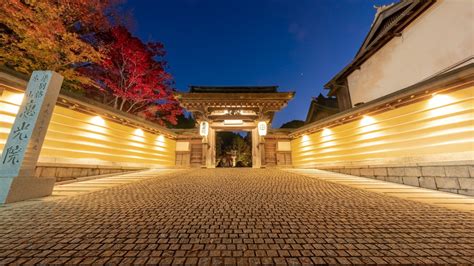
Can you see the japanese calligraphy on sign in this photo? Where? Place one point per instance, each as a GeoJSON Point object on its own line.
{"type": "Point", "coordinates": [29, 129]}
{"type": "Point", "coordinates": [11, 154]}
{"type": "Point", "coordinates": [20, 131]}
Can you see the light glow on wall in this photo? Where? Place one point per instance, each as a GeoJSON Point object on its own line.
{"type": "Point", "coordinates": [370, 135]}
{"type": "Point", "coordinates": [326, 132]}
{"type": "Point", "coordinates": [440, 105]}
{"type": "Point", "coordinates": [98, 121]}
{"type": "Point", "coordinates": [96, 124]}
{"type": "Point", "coordinates": [12, 104]}
{"type": "Point", "coordinates": [160, 142]}
{"type": "Point", "coordinates": [7, 119]}
{"type": "Point", "coordinates": [139, 132]}
{"type": "Point", "coordinates": [368, 125]}
{"type": "Point", "coordinates": [95, 135]}
{"type": "Point", "coordinates": [326, 137]}
{"type": "Point", "coordinates": [15, 98]}
{"type": "Point", "coordinates": [439, 100]}
{"type": "Point", "coordinates": [78, 137]}
{"type": "Point", "coordinates": [367, 120]}
{"type": "Point", "coordinates": [424, 129]}
{"type": "Point", "coordinates": [160, 138]}
{"type": "Point", "coordinates": [138, 136]}
{"type": "Point", "coordinates": [305, 138]}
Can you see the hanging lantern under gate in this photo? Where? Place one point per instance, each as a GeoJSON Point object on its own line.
{"type": "Point", "coordinates": [262, 128]}
{"type": "Point", "coordinates": [204, 128]}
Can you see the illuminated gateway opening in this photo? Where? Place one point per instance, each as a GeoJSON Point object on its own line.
{"type": "Point", "coordinates": [223, 110]}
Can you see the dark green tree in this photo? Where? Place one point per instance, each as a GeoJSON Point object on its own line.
{"type": "Point", "coordinates": [183, 122]}
{"type": "Point", "coordinates": [293, 124]}
{"type": "Point", "coordinates": [228, 142]}
{"type": "Point", "coordinates": [243, 150]}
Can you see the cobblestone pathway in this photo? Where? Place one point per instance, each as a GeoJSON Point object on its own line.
{"type": "Point", "coordinates": [234, 216]}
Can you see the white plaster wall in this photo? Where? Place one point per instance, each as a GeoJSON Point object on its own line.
{"type": "Point", "coordinates": [438, 39]}
{"type": "Point", "coordinates": [283, 146]}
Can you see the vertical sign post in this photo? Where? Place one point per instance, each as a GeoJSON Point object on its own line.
{"type": "Point", "coordinates": [20, 154]}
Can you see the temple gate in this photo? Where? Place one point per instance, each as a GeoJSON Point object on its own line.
{"type": "Point", "coordinates": [232, 109]}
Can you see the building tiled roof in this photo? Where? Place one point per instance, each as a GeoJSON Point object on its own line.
{"type": "Point", "coordinates": [233, 89]}
{"type": "Point", "coordinates": [321, 107]}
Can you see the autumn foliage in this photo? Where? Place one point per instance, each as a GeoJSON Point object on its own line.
{"type": "Point", "coordinates": [82, 41]}
{"type": "Point", "coordinates": [132, 75]}
{"type": "Point", "coordinates": [46, 34]}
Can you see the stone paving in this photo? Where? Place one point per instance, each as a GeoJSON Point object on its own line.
{"type": "Point", "coordinates": [234, 216]}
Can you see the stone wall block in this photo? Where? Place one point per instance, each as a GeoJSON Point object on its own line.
{"type": "Point", "coordinates": [93, 171]}
{"type": "Point", "coordinates": [346, 171]}
{"type": "Point", "coordinates": [447, 183]}
{"type": "Point", "coordinates": [48, 172]}
{"type": "Point", "coordinates": [466, 183]}
{"type": "Point", "coordinates": [64, 172]}
{"type": "Point", "coordinates": [84, 172]}
{"type": "Point", "coordinates": [457, 171]}
{"type": "Point", "coordinates": [411, 180]}
{"type": "Point", "coordinates": [449, 178]}
{"type": "Point", "coordinates": [38, 172]}
{"type": "Point", "coordinates": [396, 171]}
{"type": "Point", "coordinates": [468, 192]}
{"type": "Point", "coordinates": [382, 171]}
{"type": "Point", "coordinates": [96, 171]}
{"type": "Point", "coordinates": [471, 170]}
{"type": "Point", "coordinates": [413, 171]}
{"type": "Point", "coordinates": [104, 171]}
{"type": "Point", "coordinates": [427, 182]}
{"type": "Point", "coordinates": [394, 179]}
{"type": "Point", "coordinates": [451, 190]}
{"type": "Point", "coordinates": [76, 172]}
{"type": "Point", "coordinates": [355, 171]}
{"type": "Point", "coordinates": [68, 173]}
{"type": "Point", "coordinates": [433, 171]}
{"type": "Point", "coordinates": [368, 172]}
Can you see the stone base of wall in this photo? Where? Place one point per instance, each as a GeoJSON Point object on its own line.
{"type": "Point", "coordinates": [65, 173]}
{"type": "Point", "coordinates": [449, 178]}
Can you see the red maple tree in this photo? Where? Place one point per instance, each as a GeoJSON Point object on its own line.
{"type": "Point", "coordinates": [133, 78]}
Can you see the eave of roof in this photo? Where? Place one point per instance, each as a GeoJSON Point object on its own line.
{"type": "Point", "coordinates": [233, 89]}
{"type": "Point", "coordinates": [314, 105]}
{"type": "Point", "coordinates": [236, 96]}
